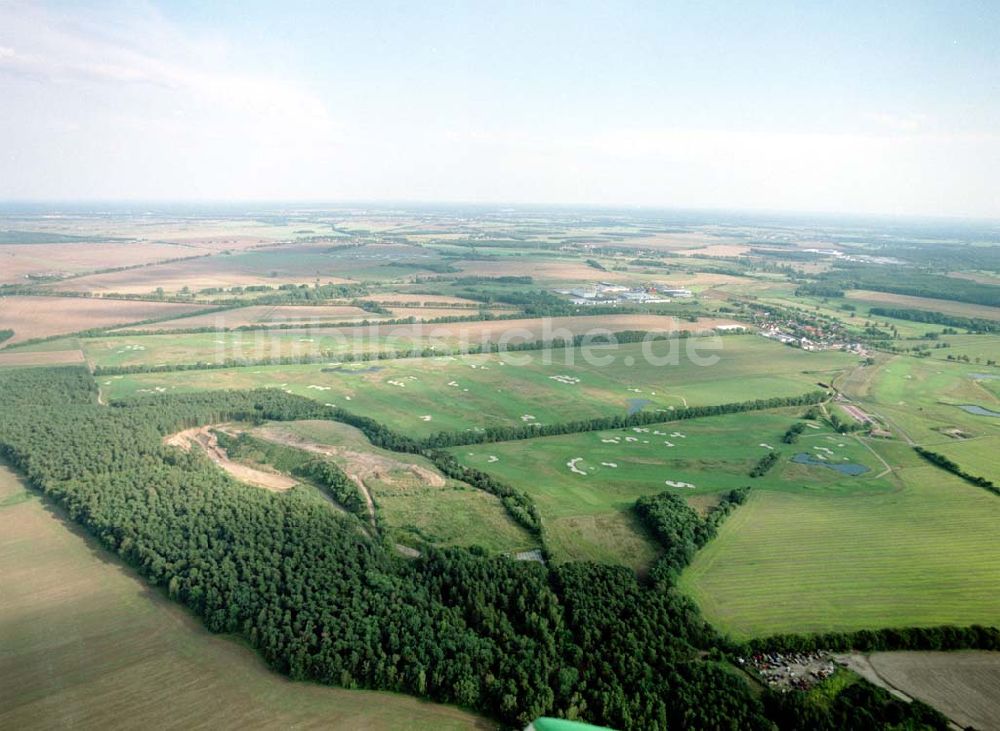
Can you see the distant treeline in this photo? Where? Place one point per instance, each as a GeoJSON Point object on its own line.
{"type": "Point", "coordinates": [911, 282]}
{"type": "Point", "coordinates": [819, 290]}
{"type": "Point", "coordinates": [973, 324]}
{"type": "Point", "coordinates": [943, 462]}
{"type": "Point", "coordinates": [6, 335]}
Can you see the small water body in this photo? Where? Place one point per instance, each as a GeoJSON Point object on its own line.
{"type": "Point", "coordinates": [978, 410]}
{"type": "Point", "coordinates": [635, 405]}
{"type": "Point", "coordinates": [846, 468]}
{"type": "Point", "coordinates": [352, 371]}
{"type": "Point", "coordinates": [984, 377]}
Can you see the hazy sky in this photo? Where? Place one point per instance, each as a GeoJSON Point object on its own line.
{"type": "Point", "coordinates": [882, 107]}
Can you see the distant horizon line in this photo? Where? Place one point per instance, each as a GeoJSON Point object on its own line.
{"type": "Point", "coordinates": [6, 203]}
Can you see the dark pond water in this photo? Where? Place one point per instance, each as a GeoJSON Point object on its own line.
{"type": "Point", "coordinates": [847, 468]}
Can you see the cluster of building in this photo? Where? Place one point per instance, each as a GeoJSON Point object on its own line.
{"type": "Point", "coordinates": [606, 293]}
{"type": "Point", "coordinates": [799, 670]}
{"type": "Point", "coordinates": [816, 342]}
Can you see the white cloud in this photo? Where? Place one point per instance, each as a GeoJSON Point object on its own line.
{"type": "Point", "coordinates": [134, 87]}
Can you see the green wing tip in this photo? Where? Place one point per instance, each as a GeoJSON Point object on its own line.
{"type": "Point", "coordinates": [561, 724]}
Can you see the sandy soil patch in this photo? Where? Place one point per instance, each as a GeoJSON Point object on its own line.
{"type": "Point", "coordinates": [36, 317]}
{"type": "Point", "coordinates": [204, 439]}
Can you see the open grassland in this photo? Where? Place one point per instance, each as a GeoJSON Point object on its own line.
{"type": "Point", "coordinates": [416, 502]}
{"type": "Point", "coordinates": [965, 685]}
{"type": "Point", "coordinates": [585, 485]}
{"type": "Point", "coordinates": [923, 399]}
{"type": "Point", "coordinates": [88, 645]}
{"type": "Point", "coordinates": [216, 347]}
{"type": "Point", "coordinates": [39, 317]}
{"type": "Point", "coordinates": [421, 396]}
{"type": "Point", "coordinates": [948, 307]}
{"type": "Point", "coordinates": [809, 562]}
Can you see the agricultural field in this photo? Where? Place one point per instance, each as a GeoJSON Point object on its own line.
{"type": "Point", "coordinates": [886, 299]}
{"type": "Point", "coordinates": [264, 267]}
{"type": "Point", "coordinates": [802, 561]}
{"type": "Point", "coordinates": [41, 317]}
{"type": "Point", "coordinates": [421, 396]}
{"type": "Point", "coordinates": [24, 262]}
{"type": "Point", "coordinates": [582, 482]}
{"type": "Point", "coordinates": [264, 314]}
{"type": "Point", "coordinates": [87, 643]}
{"type": "Point", "coordinates": [217, 347]}
{"type": "Point", "coordinates": [418, 504]}
{"type": "Point", "coordinates": [964, 685]}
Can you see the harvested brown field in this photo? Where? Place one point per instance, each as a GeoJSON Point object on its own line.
{"type": "Point", "coordinates": [433, 313]}
{"type": "Point", "coordinates": [420, 300]}
{"type": "Point", "coordinates": [204, 439]}
{"type": "Point", "coordinates": [39, 317]}
{"type": "Point", "coordinates": [88, 644]}
{"type": "Point", "coordinates": [543, 328]}
{"type": "Point", "coordinates": [200, 273]}
{"type": "Point", "coordinates": [542, 270]}
{"type": "Point", "coordinates": [53, 357]}
{"type": "Point", "coordinates": [719, 250]}
{"type": "Point", "coordinates": [964, 685]}
{"type": "Point", "coordinates": [948, 307]}
{"type": "Point", "coordinates": [267, 314]}
{"type": "Point", "coordinates": [18, 261]}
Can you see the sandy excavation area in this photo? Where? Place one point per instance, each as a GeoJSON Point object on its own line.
{"type": "Point", "coordinates": [39, 317]}
{"type": "Point", "coordinates": [203, 438]}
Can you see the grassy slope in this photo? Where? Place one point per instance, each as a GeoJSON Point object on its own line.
{"type": "Point", "coordinates": [86, 644]}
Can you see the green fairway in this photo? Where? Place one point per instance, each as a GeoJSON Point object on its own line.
{"type": "Point", "coordinates": [421, 396]}
{"type": "Point", "coordinates": [923, 398]}
{"type": "Point", "coordinates": [796, 562]}
{"type": "Point", "coordinates": [588, 515]}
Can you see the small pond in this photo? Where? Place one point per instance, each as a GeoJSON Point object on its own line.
{"type": "Point", "coordinates": [846, 468]}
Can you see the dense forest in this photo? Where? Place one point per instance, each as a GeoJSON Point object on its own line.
{"type": "Point", "coordinates": [321, 601]}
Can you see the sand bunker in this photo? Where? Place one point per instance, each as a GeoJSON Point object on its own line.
{"type": "Point", "coordinates": [674, 483]}
{"type": "Point", "coordinates": [573, 468]}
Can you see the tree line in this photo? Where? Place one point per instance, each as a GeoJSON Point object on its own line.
{"type": "Point", "coordinates": [944, 463]}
